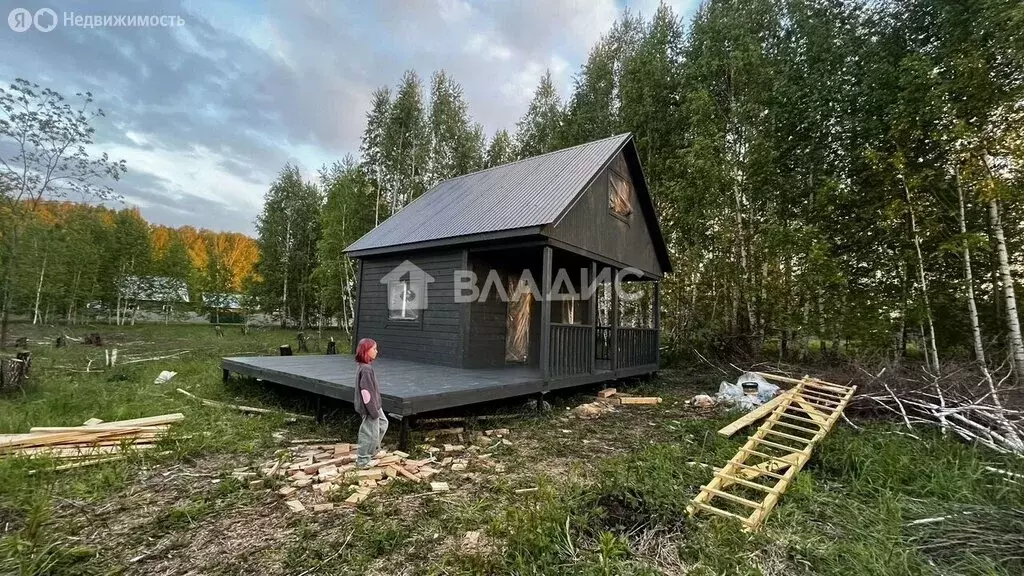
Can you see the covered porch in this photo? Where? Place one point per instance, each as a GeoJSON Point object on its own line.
{"type": "Point", "coordinates": [588, 319]}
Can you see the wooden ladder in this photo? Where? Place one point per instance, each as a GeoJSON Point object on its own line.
{"type": "Point", "coordinates": [766, 465]}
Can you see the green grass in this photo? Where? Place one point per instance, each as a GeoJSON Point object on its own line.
{"type": "Point", "coordinates": [611, 498]}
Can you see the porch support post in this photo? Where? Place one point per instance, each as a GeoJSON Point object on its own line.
{"type": "Point", "coordinates": [615, 323]}
{"type": "Point", "coordinates": [657, 322]}
{"type": "Point", "coordinates": [592, 348]}
{"type": "Point", "coordinates": [403, 433]}
{"type": "Point", "coordinates": [545, 316]}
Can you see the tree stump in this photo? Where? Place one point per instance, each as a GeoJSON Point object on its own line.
{"type": "Point", "coordinates": [301, 337]}
{"type": "Point", "coordinates": [61, 341]}
{"type": "Point", "coordinates": [286, 350]}
{"type": "Point", "coordinates": [21, 342]}
{"type": "Point", "coordinates": [14, 371]}
{"type": "Point", "coordinates": [332, 346]}
{"type": "Point", "coordinates": [94, 339]}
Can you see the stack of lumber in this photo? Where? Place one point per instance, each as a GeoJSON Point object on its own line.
{"type": "Point", "coordinates": [751, 483]}
{"type": "Point", "coordinates": [607, 399]}
{"type": "Point", "coordinates": [324, 472]}
{"type": "Point", "coordinates": [94, 442]}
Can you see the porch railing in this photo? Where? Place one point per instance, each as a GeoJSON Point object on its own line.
{"type": "Point", "coordinates": [572, 349]}
{"type": "Point", "coordinates": [637, 347]}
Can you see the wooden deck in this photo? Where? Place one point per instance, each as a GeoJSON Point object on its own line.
{"type": "Point", "coordinates": [409, 388]}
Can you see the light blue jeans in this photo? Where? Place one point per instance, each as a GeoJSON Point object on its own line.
{"type": "Point", "coordinates": [371, 434]}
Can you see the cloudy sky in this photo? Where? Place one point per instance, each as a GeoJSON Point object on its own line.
{"type": "Point", "coordinates": [206, 113]}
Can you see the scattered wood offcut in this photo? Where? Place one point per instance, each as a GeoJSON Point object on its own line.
{"type": "Point", "coordinates": [607, 399]}
{"type": "Point", "coordinates": [751, 483]}
{"type": "Point", "coordinates": [328, 471]}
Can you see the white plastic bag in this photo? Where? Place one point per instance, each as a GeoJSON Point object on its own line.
{"type": "Point", "coordinates": [165, 376]}
{"type": "Point", "coordinates": [732, 393]}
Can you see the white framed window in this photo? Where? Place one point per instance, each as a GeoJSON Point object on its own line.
{"type": "Point", "coordinates": [403, 300]}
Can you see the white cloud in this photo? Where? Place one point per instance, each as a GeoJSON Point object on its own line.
{"type": "Point", "coordinates": [487, 47]}
{"type": "Point", "coordinates": [208, 113]}
{"type": "Point", "coordinates": [454, 11]}
{"type": "Point", "coordinates": [195, 172]}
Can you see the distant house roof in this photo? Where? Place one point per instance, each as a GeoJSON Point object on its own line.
{"type": "Point", "coordinates": [222, 300]}
{"type": "Point", "coordinates": [515, 199]}
{"type": "Point", "coordinates": [153, 289]}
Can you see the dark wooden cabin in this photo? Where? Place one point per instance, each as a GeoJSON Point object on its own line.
{"type": "Point", "coordinates": [576, 213]}
{"type": "Point", "coordinates": [561, 219]}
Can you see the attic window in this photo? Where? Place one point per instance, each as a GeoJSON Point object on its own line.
{"type": "Point", "coordinates": [620, 191]}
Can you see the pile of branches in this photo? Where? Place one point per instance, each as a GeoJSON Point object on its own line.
{"type": "Point", "coordinates": [975, 404]}
{"type": "Point", "coordinates": [970, 531]}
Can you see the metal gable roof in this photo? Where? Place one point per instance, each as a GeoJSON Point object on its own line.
{"type": "Point", "coordinates": [526, 194]}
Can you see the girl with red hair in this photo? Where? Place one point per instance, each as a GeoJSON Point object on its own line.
{"type": "Point", "coordinates": [367, 403]}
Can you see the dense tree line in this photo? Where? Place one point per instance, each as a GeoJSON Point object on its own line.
{"type": "Point", "coordinates": [73, 256]}
{"type": "Point", "coordinates": [837, 171]}
{"type": "Point", "coordinates": [832, 175]}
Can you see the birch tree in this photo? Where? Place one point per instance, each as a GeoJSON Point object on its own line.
{"type": "Point", "coordinates": [44, 153]}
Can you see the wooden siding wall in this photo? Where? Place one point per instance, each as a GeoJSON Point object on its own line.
{"type": "Point", "coordinates": [591, 226]}
{"type": "Point", "coordinates": [437, 337]}
{"type": "Point", "coordinates": [485, 344]}
{"type": "Point", "coordinates": [485, 332]}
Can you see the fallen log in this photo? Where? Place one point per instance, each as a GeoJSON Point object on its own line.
{"type": "Point", "coordinates": [240, 408]}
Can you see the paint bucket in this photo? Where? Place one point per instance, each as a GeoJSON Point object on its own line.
{"type": "Point", "coordinates": [749, 388]}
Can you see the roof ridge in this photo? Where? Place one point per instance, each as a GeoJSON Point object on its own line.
{"type": "Point", "coordinates": [620, 135]}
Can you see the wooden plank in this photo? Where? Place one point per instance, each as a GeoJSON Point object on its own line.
{"type": "Point", "coordinates": [719, 511]}
{"type": "Point", "coordinates": [763, 469]}
{"type": "Point", "coordinates": [778, 446]}
{"type": "Point", "coordinates": [811, 411]}
{"type": "Point", "coordinates": [781, 459]}
{"type": "Point", "coordinates": [640, 400]}
{"type": "Point", "coordinates": [606, 393]}
{"type": "Point", "coordinates": [801, 419]}
{"type": "Point", "coordinates": [97, 429]}
{"type": "Point", "coordinates": [733, 497]}
{"type": "Point", "coordinates": [754, 415]}
{"type": "Point", "coordinates": [789, 436]}
{"type": "Point", "coordinates": [797, 427]}
{"type": "Point", "coordinates": [727, 480]}
{"type": "Point", "coordinates": [45, 439]}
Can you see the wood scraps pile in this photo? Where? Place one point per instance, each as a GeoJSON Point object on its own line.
{"type": "Point", "coordinates": [92, 443]}
{"type": "Point", "coordinates": [324, 473]}
{"type": "Point", "coordinates": [606, 401]}
{"type": "Point", "coordinates": [751, 483]}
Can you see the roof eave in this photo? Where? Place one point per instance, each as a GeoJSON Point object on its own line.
{"type": "Point", "coordinates": [452, 242]}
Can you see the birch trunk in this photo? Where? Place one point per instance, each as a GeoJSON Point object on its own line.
{"type": "Point", "coordinates": [822, 336]}
{"type": "Point", "coordinates": [972, 307]}
{"type": "Point", "coordinates": [901, 336]}
{"type": "Point", "coordinates": [284, 296]}
{"type": "Point", "coordinates": [923, 280]}
{"type": "Point", "coordinates": [39, 289]}
{"type": "Point", "coordinates": [1012, 320]}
